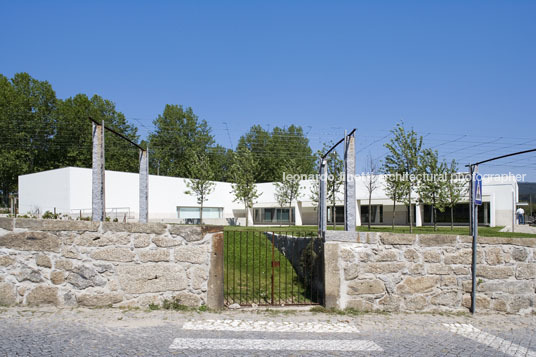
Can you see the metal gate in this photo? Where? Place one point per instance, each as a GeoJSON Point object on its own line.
{"type": "Point", "coordinates": [273, 268]}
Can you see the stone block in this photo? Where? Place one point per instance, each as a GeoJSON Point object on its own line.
{"type": "Point", "coordinates": [412, 285]}
{"type": "Point", "coordinates": [27, 273]}
{"type": "Point", "coordinates": [494, 272]}
{"type": "Point", "coordinates": [43, 261]}
{"type": "Point", "coordinates": [397, 238]}
{"type": "Point", "coordinates": [154, 255]}
{"type": "Point", "coordinates": [446, 298]}
{"type": "Point", "coordinates": [94, 300]}
{"type": "Point", "coordinates": [188, 233]}
{"type": "Point", "coordinates": [460, 270]}
{"type": "Point", "coordinates": [437, 240]}
{"type": "Point", "coordinates": [7, 223]}
{"type": "Point", "coordinates": [507, 287]}
{"type": "Point", "coordinates": [364, 256]}
{"type": "Point", "coordinates": [526, 271]}
{"type": "Point", "coordinates": [141, 240]}
{"type": "Point", "coordinates": [56, 225]}
{"type": "Point", "coordinates": [390, 303]}
{"type": "Point", "coordinates": [387, 256]}
{"type": "Point", "coordinates": [381, 268]}
{"type": "Point", "coordinates": [84, 276]}
{"type": "Point", "coordinates": [359, 305]}
{"type": "Point", "coordinates": [347, 255]}
{"type": "Point", "coordinates": [415, 302]}
{"type": "Point", "coordinates": [6, 260]}
{"type": "Point", "coordinates": [519, 303]}
{"type": "Point", "coordinates": [438, 269]}
{"type": "Point", "coordinates": [482, 301]}
{"type": "Point", "coordinates": [71, 252]}
{"type": "Point", "coordinates": [152, 278]}
{"type": "Point", "coordinates": [520, 254]}
{"type": "Point", "coordinates": [341, 236]}
{"type": "Point", "coordinates": [449, 281]}
{"type": "Point", "coordinates": [464, 256]}
{"type": "Point", "coordinates": [149, 228]}
{"type": "Point", "coordinates": [8, 296]}
{"type": "Point", "coordinates": [95, 239]}
{"type": "Point", "coordinates": [198, 276]}
{"type": "Point", "coordinates": [114, 254]}
{"type": "Point", "coordinates": [499, 305]}
{"type": "Point", "coordinates": [188, 299]}
{"type": "Point", "coordinates": [351, 271]}
{"type": "Point", "coordinates": [57, 277]}
{"type": "Point", "coordinates": [431, 256]}
{"type": "Point", "coordinates": [523, 242]}
{"type": "Point", "coordinates": [31, 241]}
{"type": "Point", "coordinates": [196, 254]}
{"type": "Point", "coordinates": [42, 295]}
{"type": "Point", "coordinates": [411, 255]}
{"type": "Point", "coordinates": [369, 286]}
{"type": "Point", "coordinates": [166, 241]}
{"type": "Point", "coordinates": [494, 255]}
{"type": "Point", "coordinates": [416, 269]}
{"type": "Point", "coordinates": [63, 264]}
{"type": "Point", "coordinates": [367, 237]}
{"type": "Point", "coordinates": [332, 275]}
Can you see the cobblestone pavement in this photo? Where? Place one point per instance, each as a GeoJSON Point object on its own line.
{"type": "Point", "coordinates": [114, 332]}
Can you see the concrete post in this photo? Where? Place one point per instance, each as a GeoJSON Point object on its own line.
{"type": "Point", "coordinates": [358, 213]}
{"type": "Point", "coordinates": [98, 209]}
{"type": "Point", "coordinates": [144, 186]}
{"type": "Point", "coordinates": [298, 214]}
{"type": "Point", "coordinates": [215, 295]}
{"type": "Point", "coordinates": [349, 185]}
{"type": "Point", "coordinates": [418, 216]}
{"type": "Point", "coordinates": [322, 200]}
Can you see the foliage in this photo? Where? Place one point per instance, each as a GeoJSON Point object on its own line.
{"type": "Point", "coordinates": [272, 148]}
{"type": "Point", "coordinates": [403, 158]}
{"type": "Point", "coordinates": [432, 186]}
{"type": "Point", "coordinates": [50, 215]}
{"type": "Point", "coordinates": [200, 183]}
{"type": "Point", "coordinates": [243, 175]}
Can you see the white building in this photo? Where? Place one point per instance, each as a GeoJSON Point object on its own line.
{"type": "Point", "coordinates": [68, 191]}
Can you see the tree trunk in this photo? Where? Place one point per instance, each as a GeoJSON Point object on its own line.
{"type": "Point", "coordinates": [334, 216]}
{"type": "Point", "coordinates": [410, 213]}
{"type": "Point", "coordinates": [452, 217]}
{"type": "Point", "coordinates": [434, 217]}
{"type": "Point", "coordinates": [394, 206]}
{"type": "Point", "coordinates": [369, 209]}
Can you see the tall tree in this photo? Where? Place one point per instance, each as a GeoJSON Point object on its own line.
{"type": "Point", "coordinates": [432, 186]}
{"type": "Point", "coordinates": [395, 188]}
{"type": "Point", "coordinates": [221, 161]}
{"type": "Point", "coordinates": [371, 183]}
{"type": "Point", "coordinates": [26, 127]}
{"type": "Point", "coordinates": [404, 150]}
{"type": "Point", "coordinates": [288, 189]}
{"type": "Point", "coordinates": [200, 183]}
{"type": "Point", "coordinates": [179, 137]}
{"type": "Point", "coordinates": [280, 145]}
{"type": "Point", "coordinates": [243, 175]}
{"type": "Point", "coordinates": [456, 189]}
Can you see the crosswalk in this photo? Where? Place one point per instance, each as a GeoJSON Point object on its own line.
{"type": "Point", "coordinates": [266, 344]}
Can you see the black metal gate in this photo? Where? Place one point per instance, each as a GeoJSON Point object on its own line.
{"type": "Point", "coordinates": [273, 268]}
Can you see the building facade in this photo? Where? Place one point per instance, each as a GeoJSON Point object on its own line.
{"type": "Point", "coordinates": [67, 191]}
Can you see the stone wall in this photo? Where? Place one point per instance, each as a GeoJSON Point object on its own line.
{"type": "Point", "coordinates": [404, 272]}
{"type": "Point", "coordinates": [78, 263]}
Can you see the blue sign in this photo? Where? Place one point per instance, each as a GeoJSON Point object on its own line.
{"type": "Point", "coordinates": [477, 191]}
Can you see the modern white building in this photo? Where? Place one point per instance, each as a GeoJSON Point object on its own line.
{"type": "Point", "coordinates": [68, 191]}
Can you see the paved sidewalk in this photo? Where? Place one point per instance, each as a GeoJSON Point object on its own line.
{"type": "Point", "coordinates": [114, 332]}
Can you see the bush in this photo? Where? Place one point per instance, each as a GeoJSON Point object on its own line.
{"type": "Point", "coordinates": [50, 215]}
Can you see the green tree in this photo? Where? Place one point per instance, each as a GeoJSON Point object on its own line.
{"type": "Point", "coordinates": [395, 188]}
{"type": "Point", "coordinates": [456, 189]}
{"type": "Point", "coordinates": [179, 138]}
{"type": "Point", "coordinates": [243, 175]}
{"type": "Point", "coordinates": [335, 179]}
{"type": "Point", "coordinates": [26, 127]}
{"type": "Point", "coordinates": [403, 157]}
{"type": "Point", "coordinates": [200, 183]}
{"type": "Point", "coordinates": [432, 186]}
{"type": "Point", "coordinates": [289, 188]}
{"type": "Point", "coordinates": [221, 161]}
{"type": "Point", "coordinates": [272, 148]}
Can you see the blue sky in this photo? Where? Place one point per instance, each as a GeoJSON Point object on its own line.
{"type": "Point", "coordinates": [462, 73]}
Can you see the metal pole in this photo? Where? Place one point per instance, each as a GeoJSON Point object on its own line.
{"type": "Point", "coordinates": [471, 168]}
{"type": "Point", "coordinates": [513, 211]}
{"type": "Point", "coordinates": [322, 204]}
{"type": "Point", "coordinates": [475, 235]}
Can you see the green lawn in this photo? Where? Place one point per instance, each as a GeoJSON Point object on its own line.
{"type": "Point", "coordinates": [482, 231]}
{"type": "Point", "coordinates": [248, 271]}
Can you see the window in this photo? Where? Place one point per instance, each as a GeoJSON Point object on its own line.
{"type": "Point", "coordinates": [375, 210]}
{"type": "Point", "coordinates": [272, 215]}
{"type": "Point", "coordinates": [194, 212]}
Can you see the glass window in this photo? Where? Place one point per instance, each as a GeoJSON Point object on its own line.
{"type": "Point", "coordinates": [189, 212]}
{"type": "Point", "coordinates": [193, 212]}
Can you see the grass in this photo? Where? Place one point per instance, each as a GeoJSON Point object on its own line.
{"type": "Point", "coordinates": [248, 271]}
{"type": "Point", "coordinates": [482, 231]}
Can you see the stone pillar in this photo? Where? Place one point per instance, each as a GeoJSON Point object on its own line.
{"type": "Point", "coordinates": [349, 185]}
{"type": "Point", "coordinates": [297, 214]}
{"type": "Point", "coordinates": [332, 275]}
{"type": "Point", "coordinates": [418, 219]}
{"type": "Point", "coordinates": [215, 295]}
{"type": "Point", "coordinates": [98, 209]}
{"type": "Point", "coordinates": [144, 186]}
{"type": "Point", "coordinates": [322, 201]}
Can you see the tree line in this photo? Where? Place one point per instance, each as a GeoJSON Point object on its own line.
{"type": "Point", "coordinates": [39, 131]}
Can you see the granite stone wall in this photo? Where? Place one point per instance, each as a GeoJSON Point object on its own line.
{"type": "Point", "coordinates": [78, 263]}
{"type": "Point", "coordinates": [405, 272]}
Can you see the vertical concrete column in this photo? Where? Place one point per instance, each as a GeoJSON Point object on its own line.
{"type": "Point", "coordinates": [298, 214]}
{"type": "Point", "coordinates": [358, 213]}
{"type": "Point", "coordinates": [98, 209]}
{"type": "Point", "coordinates": [322, 199]}
{"type": "Point", "coordinates": [349, 185]}
{"type": "Point", "coordinates": [144, 186]}
{"type": "Point", "coordinates": [418, 215]}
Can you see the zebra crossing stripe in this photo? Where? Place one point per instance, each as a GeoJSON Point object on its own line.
{"type": "Point", "coordinates": [273, 345]}
{"type": "Point", "coordinates": [270, 326]}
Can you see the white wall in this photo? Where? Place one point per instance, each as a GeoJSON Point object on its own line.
{"type": "Point", "coordinates": [44, 191]}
